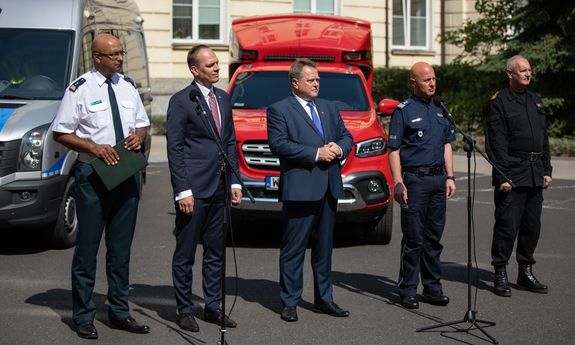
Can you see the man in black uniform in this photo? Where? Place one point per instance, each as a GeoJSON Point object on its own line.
{"type": "Point", "coordinates": [517, 143]}
{"type": "Point", "coordinates": [421, 163]}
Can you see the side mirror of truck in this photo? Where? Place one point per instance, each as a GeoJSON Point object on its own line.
{"type": "Point", "coordinates": [385, 108]}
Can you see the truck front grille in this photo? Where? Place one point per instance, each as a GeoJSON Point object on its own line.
{"type": "Point", "coordinates": [9, 156]}
{"type": "Point", "coordinates": [258, 156]}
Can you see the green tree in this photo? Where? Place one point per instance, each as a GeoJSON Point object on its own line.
{"type": "Point", "coordinates": [541, 30]}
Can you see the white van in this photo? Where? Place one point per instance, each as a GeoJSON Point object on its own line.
{"type": "Point", "coordinates": [45, 46]}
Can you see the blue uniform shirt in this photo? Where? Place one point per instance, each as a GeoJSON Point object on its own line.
{"type": "Point", "coordinates": [420, 131]}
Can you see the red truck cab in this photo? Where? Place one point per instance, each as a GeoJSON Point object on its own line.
{"type": "Point", "coordinates": [262, 50]}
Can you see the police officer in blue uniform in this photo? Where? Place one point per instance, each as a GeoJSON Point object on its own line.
{"type": "Point", "coordinates": [100, 109]}
{"type": "Point", "coordinates": [421, 163]}
{"type": "Point", "coordinates": [517, 143]}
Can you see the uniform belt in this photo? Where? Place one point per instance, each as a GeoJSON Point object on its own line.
{"type": "Point", "coordinates": [530, 156]}
{"type": "Point", "coordinates": [424, 171]}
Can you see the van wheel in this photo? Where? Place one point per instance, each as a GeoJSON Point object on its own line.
{"type": "Point", "coordinates": [66, 228]}
{"type": "Point", "coordinates": [379, 232]}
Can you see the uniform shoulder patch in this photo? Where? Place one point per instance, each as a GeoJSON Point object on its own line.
{"type": "Point", "coordinates": [76, 84]}
{"type": "Point", "coordinates": [403, 104]}
{"type": "Point", "coordinates": [495, 95]}
{"type": "Point", "coordinates": [129, 80]}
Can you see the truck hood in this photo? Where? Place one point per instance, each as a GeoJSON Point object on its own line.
{"type": "Point", "coordinates": [19, 117]}
{"type": "Point", "coordinates": [254, 120]}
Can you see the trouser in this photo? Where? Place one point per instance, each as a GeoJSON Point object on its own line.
{"type": "Point", "coordinates": [98, 209]}
{"type": "Point", "coordinates": [517, 215]}
{"type": "Point", "coordinates": [306, 222]}
{"type": "Point", "coordinates": [422, 223]}
{"type": "Point", "coordinates": [204, 225]}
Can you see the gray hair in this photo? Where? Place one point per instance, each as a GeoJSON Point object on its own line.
{"type": "Point", "coordinates": [511, 61]}
{"type": "Point", "coordinates": [297, 67]}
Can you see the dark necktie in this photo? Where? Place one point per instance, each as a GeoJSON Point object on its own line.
{"type": "Point", "coordinates": [115, 112]}
{"type": "Point", "coordinates": [315, 117]}
{"type": "Point", "coordinates": [215, 112]}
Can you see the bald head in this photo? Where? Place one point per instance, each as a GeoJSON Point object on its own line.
{"type": "Point", "coordinates": [422, 80]}
{"type": "Point", "coordinates": [107, 53]}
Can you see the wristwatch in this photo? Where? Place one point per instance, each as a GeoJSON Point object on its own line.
{"type": "Point", "coordinates": [451, 178]}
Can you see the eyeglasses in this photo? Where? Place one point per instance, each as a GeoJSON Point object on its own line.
{"type": "Point", "coordinates": [113, 56]}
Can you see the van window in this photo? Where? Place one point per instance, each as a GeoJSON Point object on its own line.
{"type": "Point", "coordinates": [257, 90]}
{"type": "Point", "coordinates": [34, 64]}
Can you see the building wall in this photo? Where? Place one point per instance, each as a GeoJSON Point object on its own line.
{"type": "Point", "coordinates": [169, 71]}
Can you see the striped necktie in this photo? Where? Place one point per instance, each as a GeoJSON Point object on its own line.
{"type": "Point", "coordinates": [215, 112]}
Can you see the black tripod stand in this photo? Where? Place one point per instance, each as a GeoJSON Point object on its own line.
{"type": "Point", "coordinates": [470, 314]}
{"type": "Point", "coordinates": [195, 96]}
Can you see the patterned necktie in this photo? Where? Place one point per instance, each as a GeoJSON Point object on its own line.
{"type": "Point", "coordinates": [215, 112]}
{"type": "Point", "coordinates": [115, 112]}
{"type": "Point", "coordinates": [315, 117]}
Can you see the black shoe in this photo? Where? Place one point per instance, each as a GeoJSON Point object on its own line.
{"type": "Point", "coordinates": [130, 325]}
{"type": "Point", "coordinates": [188, 322]}
{"type": "Point", "coordinates": [441, 299]}
{"type": "Point", "coordinates": [215, 316]}
{"type": "Point", "coordinates": [289, 314]}
{"type": "Point", "coordinates": [410, 302]}
{"type": "Point", "coordinates": [527, 280]}
{"type": "Point", "coordinates": [87, 330]}
{"type": "Point", "coordinates": [330, 309]}
{"type": "Point", "coordinates": [501, 283]}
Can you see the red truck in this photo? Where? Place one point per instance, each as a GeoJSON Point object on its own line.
{"type": "Point", "coordinates": [262, 50]}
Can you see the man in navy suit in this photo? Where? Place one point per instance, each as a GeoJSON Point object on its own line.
{"type": "Point", "coordinates": [198, 183]}
{"type": "Point", "coordinates": [310, 139]}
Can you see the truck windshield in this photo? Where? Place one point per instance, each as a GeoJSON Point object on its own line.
{"type": "Point", "coordinates": [257, 90]}
{"type": "Point", "coordinates": [34, 64]}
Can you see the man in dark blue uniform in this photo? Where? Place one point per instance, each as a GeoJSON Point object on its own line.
{"type": "Point", "coordinates": [422, 167]}
{"type": "Point", "coordinates": [517, 143]}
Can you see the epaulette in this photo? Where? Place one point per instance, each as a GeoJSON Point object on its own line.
{"type": "Point", "coordinates": [129, 80]}
{"type": "Point", "coordinates": [403, 104]}
{"type": "Point", "coordinates": [75, 85]}
{"type": "Point", "coordinates": [494, 95]}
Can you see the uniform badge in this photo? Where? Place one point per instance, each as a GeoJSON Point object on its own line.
{"type": "Point", "coordinates": [75, 85]}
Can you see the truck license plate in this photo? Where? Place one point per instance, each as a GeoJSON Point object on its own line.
{"type": "Point", "coordinates": [272, 182]}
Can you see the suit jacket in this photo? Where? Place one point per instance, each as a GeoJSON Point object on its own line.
{"type": "Point", "coordinates": [193, 155]}
{"type": "Point", "coordinates": [294, 138]}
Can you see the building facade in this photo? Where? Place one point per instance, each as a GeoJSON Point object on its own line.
{"type": "Point", "coordinates": [404, 31]}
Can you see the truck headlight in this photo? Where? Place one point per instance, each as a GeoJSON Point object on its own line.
{"type": "Point", "coordinates": [31, 149]}
{"type": "Point", "coordinates": [370, 148]}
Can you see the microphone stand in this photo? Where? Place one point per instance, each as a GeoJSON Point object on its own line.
{"type": "Point", "coordinates": [225, 163]}
{"type": "Point", "coordinates": [470, 314]}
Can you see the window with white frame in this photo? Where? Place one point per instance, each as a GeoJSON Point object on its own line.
{"type": "Point", "coordinates": [316, 6]}
{"type": "Point", "coordinates": [198, 20]}
{"type": "Point", "coordinates": [411, 24]}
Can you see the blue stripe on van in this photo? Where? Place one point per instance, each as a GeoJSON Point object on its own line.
{"type": "Point", "coordinates": [55, 169]}
{"type": "Point", "coordinates": [5, 114]}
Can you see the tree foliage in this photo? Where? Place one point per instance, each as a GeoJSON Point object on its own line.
{"type": "Point", "coordinates": [541, 30]}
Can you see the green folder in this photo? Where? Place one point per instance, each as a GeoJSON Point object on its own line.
{"type": "Point", "coordinates": [129, 164]}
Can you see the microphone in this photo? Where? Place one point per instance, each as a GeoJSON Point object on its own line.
{"type": "Point", "coordinates": [438, 101]}
{"type": "Point", "coordinates": [196, 97]}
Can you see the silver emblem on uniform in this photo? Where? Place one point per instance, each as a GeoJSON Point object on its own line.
{"type": "Point", "coordinates": [419, 134]}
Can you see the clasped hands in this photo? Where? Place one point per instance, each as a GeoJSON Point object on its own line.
{"type": "Point", "coordinates": [329, 152]}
